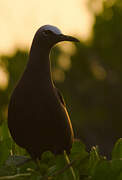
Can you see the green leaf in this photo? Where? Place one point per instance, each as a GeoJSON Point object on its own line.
{"type": "Point", "coordinates": [120, 176]}
{"type": "Point", "coordinates": [48, 158]}
{"type": "Point", "coordinates": [78, 150]}
{"type": "Point", "coordinates": [116, 168]}
{"type": "Point", "coordinates": [4, 152]}
{"type": "Point", "coordinates": [43, 168]}
{"type": "Point", "coordinates": [93, 159]}
{"type": "Point", "coordinates": [6, 170]}
{"type": "Point", "coordinates": [80, 158]}
{"type": "Point", "coordinates": [117, 150]}
{"type": "Point", "coordinates": [101, 171]}
{"type": "Point", "coordinates": [17, 160]}
{"type": "Point", "coordinates": [4, 131]}
{"type": "Point", "coordinates": [5, 136]}
{"type": "Point", "coordinates": [107, 170]}
{"type": "Point", "coordinates": [71, 168]}
{"type": "Point", "coordinates": [62, 173]}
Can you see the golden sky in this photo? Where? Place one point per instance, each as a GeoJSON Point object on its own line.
{"type": "Point", "coordinates": [20, 19]}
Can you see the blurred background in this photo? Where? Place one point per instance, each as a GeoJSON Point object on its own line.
{"type": "Point", "coordinates": [88, 73]}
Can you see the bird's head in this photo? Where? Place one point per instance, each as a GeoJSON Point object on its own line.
{"type": "Point", "coordinates": [49, 35]}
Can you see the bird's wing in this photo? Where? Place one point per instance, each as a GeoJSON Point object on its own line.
{"type": "Point", "coordinates": [60, 96]}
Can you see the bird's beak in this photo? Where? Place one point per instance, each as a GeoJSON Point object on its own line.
{"type": "Point", "coordinates": [63, 37]}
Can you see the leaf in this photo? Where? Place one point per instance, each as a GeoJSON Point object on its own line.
{"type": "Point", "coordinates": [78, 150]}
{"type": "Point", "coordinates": [4, 152]}
{"type": "Point", "coordinates": [80, 158]}
{"type": "Point", "coordinates": [4, 131]}
{"type": "Point", "coordinates": [107, 170]}
{"type": "Point", "coordinates": [62, 172]}
{"type": "Point", "coordinates": [116, 168]}
{"type": "Point", "coordinates": [93, 159]}
{"type": "Point", "coordinates": [117, 150]}
{"type": "Point", "coordinates": [6, 170]}
{"type": "Point", "coordinates": [120, 176]}
{"type": "Point", "coordinates": [101, 171]}
{"type": "Point", "coordinates": [48, 158]}
{"type": "Point", "coordinates": [17, 160]}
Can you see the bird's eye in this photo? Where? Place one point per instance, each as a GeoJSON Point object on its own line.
{"type": "Point", "coordinates": [47, 32]}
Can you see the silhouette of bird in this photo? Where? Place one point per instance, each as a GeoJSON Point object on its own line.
{"type": "Point", "coordinates": [37, 116]}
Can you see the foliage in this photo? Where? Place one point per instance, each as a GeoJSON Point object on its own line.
{"type": "Point", "coordinates": [79, 165]}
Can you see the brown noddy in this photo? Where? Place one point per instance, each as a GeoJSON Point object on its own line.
{"type": "Point", "coordinates": [37, 116]}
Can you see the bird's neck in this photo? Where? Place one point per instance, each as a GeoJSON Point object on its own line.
{"type": "Point", "coordinates": [39, 62]}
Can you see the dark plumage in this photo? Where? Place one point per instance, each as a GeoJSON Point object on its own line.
{"type": "Point", "coordinates": [37, 115]}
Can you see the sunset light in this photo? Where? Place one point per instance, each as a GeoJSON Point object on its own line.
{"type": "Point", "coordinates": [20, 19]}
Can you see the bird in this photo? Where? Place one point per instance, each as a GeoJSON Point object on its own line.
{"type": "Point", "coordinates": [38, 120]}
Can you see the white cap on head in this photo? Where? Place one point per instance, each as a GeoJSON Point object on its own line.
{"type": "Point", "coordinates": [54, 29]}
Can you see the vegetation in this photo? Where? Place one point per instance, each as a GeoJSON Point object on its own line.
{"type": "Point", "coordinates": [80, 165]}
